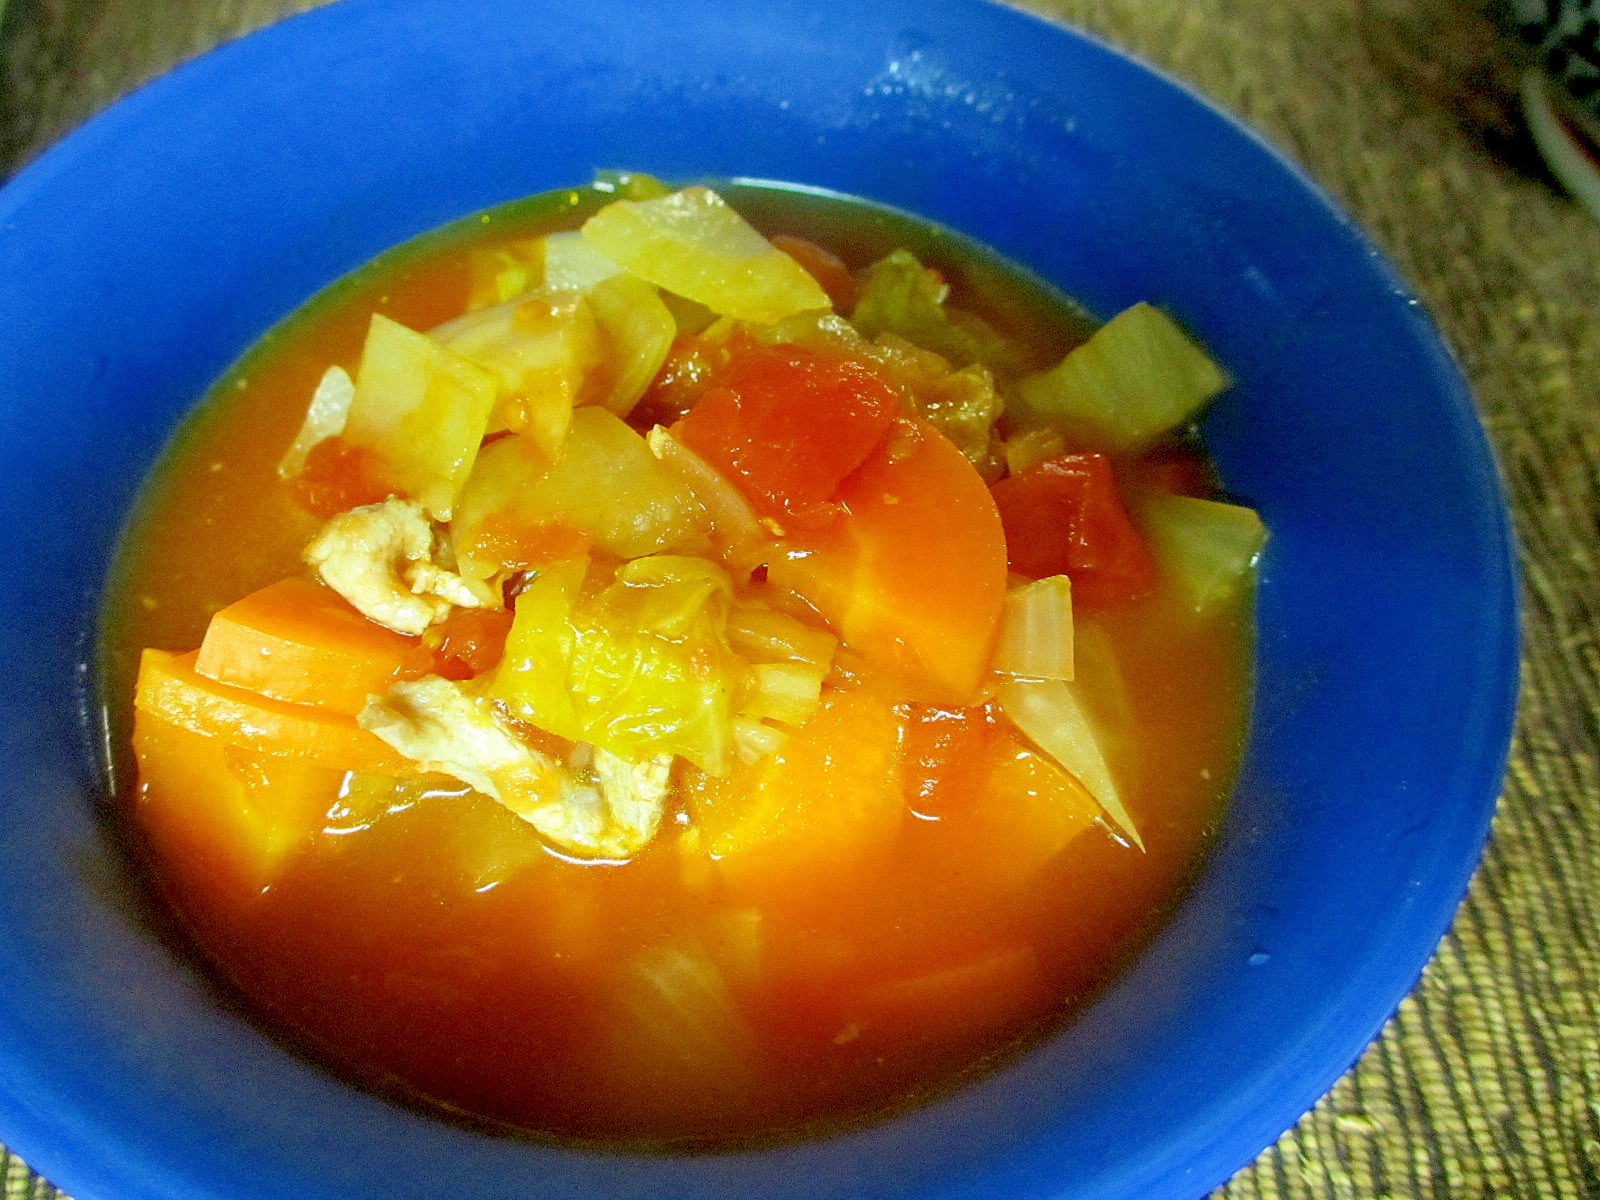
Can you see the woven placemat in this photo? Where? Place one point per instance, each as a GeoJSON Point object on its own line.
{"type": "Point", "coordinates": [1486, 1083]}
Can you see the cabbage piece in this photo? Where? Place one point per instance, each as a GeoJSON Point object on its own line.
{"type": "Point", "coordinates": [541, 348]}
{"type": "Point", "coordinates": [1049, 714]}
{"type": "Point", "coordinates": [903, 297]}
{"type": "Point", "coordinates": [1208, 549]}
{"type": "Point", "coordinates": [1035, 638]}
{"type": "Point", "coordinates": [572, 263]}
{"type": "Point", "coordinates": [737, 536]}
{"type": "Point", "coordinates": [1138, 377]}
{"type": "Point", "coordinates": [423, 409]}
{"type": "Point", "coordinates": [754, 739]}
{"type": "Point", "coordinates": [325, 418]}
{"type": "Point", "coordinates": [533, 678]}
{"type": "Point", "coordinates": [639, 666]}
{"type": "Point", "coordinates": [1031, 447]}
{"type": "Point", "coordinates": [693, 244]}
{"type": "Point", "coordinates": [637, 331]}
{"type": "Point", "coordinates": [765, 635]}
{"type": "Point", "coordinates": [785, 692]}
{"type": "Point", "coordinates": [605, 482]}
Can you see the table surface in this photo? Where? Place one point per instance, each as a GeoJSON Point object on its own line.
{"type": "Point", "coordinates": [1486, 1082]}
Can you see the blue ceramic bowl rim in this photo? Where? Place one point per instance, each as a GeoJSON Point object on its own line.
{"type": "Point", "coordinates": [1388, 648]}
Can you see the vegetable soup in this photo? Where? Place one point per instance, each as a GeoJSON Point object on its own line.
{"type": "Point", "coordinates": [681, 668]}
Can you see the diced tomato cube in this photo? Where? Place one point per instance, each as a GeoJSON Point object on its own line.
{"type": "Point", "coordinates": [1063, 516]}
{"type": "Point", "coordinates": [787, 425]}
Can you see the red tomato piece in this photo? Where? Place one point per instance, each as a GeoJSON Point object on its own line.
{"type": "Point", "coordinates": [787, 424]}
{"type": "Point", "coordinates": [1179, 469]}
{"type": "Point", "coordinates": [1063, 516]}
{"type": "Point", "coordinates": [823, 265]}
{"type": "Point", "coordinates": [943, 756]}
{"type": "Point", "coordinates": [339, 476]}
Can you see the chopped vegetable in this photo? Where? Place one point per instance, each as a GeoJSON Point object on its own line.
{"type": "Point", "coordinates": [1049, 713]}
{"type": "Point", "coordinates": [422, 409]}
{"type": "Point", "coordinates": [470, 641]}
{"type": "Point", "coordinates": [1209, 549]}
{"type": "Point", "coordinates": [605, 483]}
{"type": "Point", "coordinates": [169, 688]}
{"type": "Point", "coordinates": [944, 754]}
{"type": "Point", "coordinates": [325, 418]}
{"type": "Point", "coordinates": [229, 817]}
{"type": "Point", "coordinates": [571, 263]}
{"type": "Point", "coordinates": [296, 641]}
{"type": "Point", "coordinates": [787, 425]}
{"type": "Point", "coordinates": [929, 618]}
{"type": "Point", "coordinates": [1032, 446]}
{"type": "Point", "coordinates": [691, 243]}
{"type": "Point", "coordinates": [639, 666]}
{"type": "Point", "coordinates": [637, 331]}
{"type": "Point", "coordinates": [1137, 377]}
{"type": "Point", "coordinates": [904, 297]}
{"type": "Point", "coordinates": [1063, 516]}
{"type": "Point", "coordinates": [737, 536]}
{"type": "Point", "coordinates": [675, 1002]}
{"type": "Point", "coordinates": [814, 812]}
{"type": "Point", "coordinates": [540, 348]}
{"type": "Point", "coordinates": [1035, 639]}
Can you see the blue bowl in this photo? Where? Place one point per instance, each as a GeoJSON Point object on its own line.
{"type": "Point", "coordinates": [141, 255]}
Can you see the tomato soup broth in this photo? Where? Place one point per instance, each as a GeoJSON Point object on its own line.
{"type": "Point", "coordinates": [945, 897]}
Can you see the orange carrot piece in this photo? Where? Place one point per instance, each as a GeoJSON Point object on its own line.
{"type": "Point", "coordinates": [224, 817]}
{"type": "Point", "coordinates": [1023, 812]}
{"type": "Point", "coordinates": [300, 642]}
{"type": "Point", "coordinates": [169, 688]}
{"type": "Point", "coordinates": [914, 577]}
{"type": "Point", "coordinates": [795, 826]}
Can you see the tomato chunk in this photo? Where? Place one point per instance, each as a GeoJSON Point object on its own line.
{"type": "Point", "coordinates": [1063, 516]}
{"type": "Point", "coordinates": [787, 425]}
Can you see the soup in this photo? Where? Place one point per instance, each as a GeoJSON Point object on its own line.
{"type": "Point", "coordinates": [608, 672]}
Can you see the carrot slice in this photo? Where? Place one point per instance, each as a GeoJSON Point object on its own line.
{"type": "Point", "coordinates": [300, 642]}
{"type": "Point", "coordinates": [913, 578]}
{"type": "Point", "coordinates": [169, 688]}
